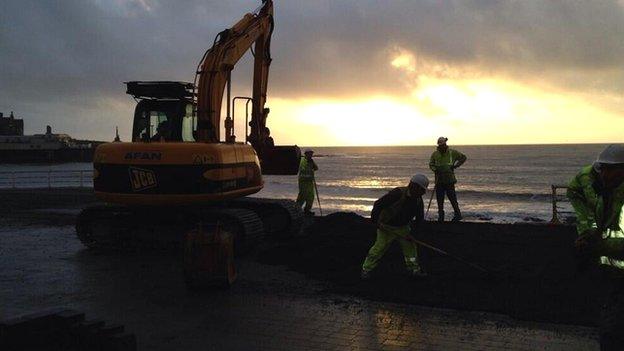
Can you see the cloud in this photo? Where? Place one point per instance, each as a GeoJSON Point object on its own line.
{"type": "Point", "coordinates": [515, 39]}
{"type": "Point", "coordinates": [57, 54]}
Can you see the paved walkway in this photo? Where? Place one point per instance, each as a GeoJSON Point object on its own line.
{"type": "Point", "coordinates": [268, 308]}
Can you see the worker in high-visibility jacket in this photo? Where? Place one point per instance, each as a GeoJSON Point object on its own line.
{"type": "Point", "coordinates": [597, 195]}
{"type": "Point", "coordinates": [307, 167]}
{"type": "Point", "coordinates": [443, 162]}
{"type": "Point", "coordinates": [395, 214]}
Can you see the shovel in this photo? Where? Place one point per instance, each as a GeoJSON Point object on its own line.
{"type": "Point", "coordinates": [430, 200]}
{"type": "Point", "coordinates": [456, 258]}
{"type": "Point", "coordinates": [318, 198]}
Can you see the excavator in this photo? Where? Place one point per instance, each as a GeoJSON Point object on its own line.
{"type": "Point", "coordinates": [179, 172]}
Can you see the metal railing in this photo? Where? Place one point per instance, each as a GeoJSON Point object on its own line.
{"type": "Point", "coordinates": [46, 179]}
{"type": "Point", "coordinates": [556, 199]}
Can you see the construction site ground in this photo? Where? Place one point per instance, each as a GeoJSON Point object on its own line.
{"type": "Point", "coordinates": [270, 307]}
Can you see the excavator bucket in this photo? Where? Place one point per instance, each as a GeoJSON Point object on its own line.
{"type": "Point", "coordinates": [280, 160]}
{"type": "Point", "coordinates": [209, 258]}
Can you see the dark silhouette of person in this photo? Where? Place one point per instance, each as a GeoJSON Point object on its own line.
{"type": "Point", "coordinates": [163, 132]}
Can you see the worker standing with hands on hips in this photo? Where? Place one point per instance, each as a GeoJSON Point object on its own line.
{"type": "Point", "coordinates": [444, 161]}
{"type": "Point", "coordinates": [597, 195]}
{"type": "Point", "coordinates": [307, 167]}
{"type": "Point", "coordinates": [395, 214]}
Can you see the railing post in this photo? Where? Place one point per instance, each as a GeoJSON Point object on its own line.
{"type": "Point", "coordinates": [555, 216]}
{"type": "Point", "coordinates": [49, 179]}
{"type": "Point", "coordinates": [81, 182]}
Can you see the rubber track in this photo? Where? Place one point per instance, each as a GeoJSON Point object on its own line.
{"type": "Point", "coordinates": [246, 225]}
{"type": "Point", "coordinates": [281, 218]}
{"type": "Point", "coordinates": [163, 228]}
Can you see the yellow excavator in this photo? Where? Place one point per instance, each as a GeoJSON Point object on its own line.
{"type": "Point", "coordinates": [179, 171]}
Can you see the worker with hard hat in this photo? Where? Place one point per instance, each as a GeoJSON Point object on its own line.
{"type": "Point", "coordinates": [394, 213]}
{"type": "Point", "coordinates": [307, 167]}
{"type": "Point", "coordinates": [443, 162]}
{"type": "Point", "coordinates": [597, 195]}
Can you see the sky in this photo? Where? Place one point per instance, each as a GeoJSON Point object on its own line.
{"type": "Point", "coordinates": [344, 72]}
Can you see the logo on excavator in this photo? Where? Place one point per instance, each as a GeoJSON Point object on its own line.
{"type": "Point", "coordinates": [142, 179]}
{"type": "Point", "coordinates": [143, 156]}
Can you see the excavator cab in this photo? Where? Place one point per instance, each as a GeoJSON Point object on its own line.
{"type": "Point", "coordinates": [161, 121]}
{"type": "Point", "coordinates": [164, 112]}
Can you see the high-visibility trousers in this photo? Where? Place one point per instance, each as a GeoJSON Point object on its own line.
{"type": "Point", "coordinates": [306, 194]}
{"type": "Point", "coordinates": [385, 236]}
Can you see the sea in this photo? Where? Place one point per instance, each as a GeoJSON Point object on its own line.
{"type": "Point", "coordinates": [498, 183]}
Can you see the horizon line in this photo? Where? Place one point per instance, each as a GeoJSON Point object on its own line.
{"type": "Point", "coordinates": [434, 145]}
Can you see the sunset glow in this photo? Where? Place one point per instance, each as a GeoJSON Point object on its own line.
{"type": "Point", "coordinates": [467, 111]}
{"type": "Point", "coordinates": [343, 72]}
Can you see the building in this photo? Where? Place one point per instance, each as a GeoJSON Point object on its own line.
{"type": "Point", "coordinates": [15, 147]}
{"type": "Point", "coordinates": [10, 125]}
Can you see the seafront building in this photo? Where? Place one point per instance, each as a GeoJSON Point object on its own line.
{"type": "Point", "coordinates": [10, 125]}
{"type": "Point", "coordinates": [15, 147]}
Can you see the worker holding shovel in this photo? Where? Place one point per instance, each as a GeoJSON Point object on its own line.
{"type": "Point", "coordinates": [393, 214]}
{"type": "Point", "coordinates": [307, 184]}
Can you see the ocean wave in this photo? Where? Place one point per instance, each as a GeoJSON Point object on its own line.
{"type": "Point", "coordinates": [329, 155]}
{"type": "Point", "coordinates": [467, 193]}
{"type": "Point", "coordinates": [507, 195]}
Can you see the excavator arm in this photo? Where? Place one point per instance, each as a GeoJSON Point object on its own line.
{"type": "Point", "coordinates": [214, 73]}
{"type": "Point", "coordinates": [217, 64]}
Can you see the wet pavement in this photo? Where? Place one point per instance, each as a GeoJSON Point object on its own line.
{"type": "Point", "coordinates": [268, 308]}
{"type": "Point", "coordinates": [531, 268]}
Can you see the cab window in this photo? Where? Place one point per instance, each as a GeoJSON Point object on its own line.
{"type": "Point", "coordinates": [189, 124]}
{"type": "Point", "coordinates": [154, 125]}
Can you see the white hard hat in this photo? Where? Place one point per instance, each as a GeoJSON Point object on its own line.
{"type": "Point", "coordinates": [421, 180]}
{"type": "Point", "coordinates": [613, 154]}
{"type": "Point", "coordinates": [442, 140]}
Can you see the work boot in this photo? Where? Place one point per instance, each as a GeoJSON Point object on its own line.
{"type": "Point", "coordinates": [440, 216]}
{"type": "Point", "coordinates": [457, 217]}
{"type": "Point", "coordinates": [364, 275]}
{"type": "Point", "coordinates": [308, 213]}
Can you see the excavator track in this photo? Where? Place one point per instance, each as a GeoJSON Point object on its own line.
{"type": "Point", "coordinates": [281, 218]}
{"type": "Point", "coordinates": [128, 228]}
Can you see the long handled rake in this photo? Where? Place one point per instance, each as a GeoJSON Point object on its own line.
{"type": "Point", "coordinates": [318, 199]}
{"type": "Point", "coordinates": [430, 200]}
{"type": "Point", "coordinates": [455, 257]}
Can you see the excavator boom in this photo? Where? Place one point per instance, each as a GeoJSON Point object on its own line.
{"type": "Point", "coordinates": [216, 66]}
{"type": "Point", "coordinates": [214, 73]}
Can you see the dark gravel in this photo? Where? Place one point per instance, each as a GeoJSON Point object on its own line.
{"type": "Point", "coordinates": [533, 264]}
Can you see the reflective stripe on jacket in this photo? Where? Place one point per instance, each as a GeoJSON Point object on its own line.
{"type": "Point", "coordinates": [589, 206]}
{"type": "Point", "coordinates": [441, 164]}
{"type": "Point", "coordinates": [306, 170]}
